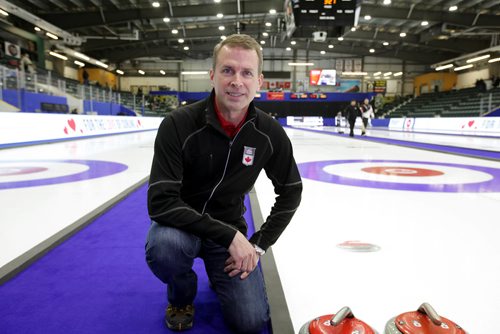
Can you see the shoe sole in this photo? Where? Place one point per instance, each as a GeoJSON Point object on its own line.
{"type": "Point", "coordinates": [179, 327]}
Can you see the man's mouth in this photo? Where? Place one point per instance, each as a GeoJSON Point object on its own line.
{"type": "Point", "coordinates": [234, 94]}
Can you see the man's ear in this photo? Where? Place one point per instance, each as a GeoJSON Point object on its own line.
{"type": "Point", "coordinates": [261, 80]}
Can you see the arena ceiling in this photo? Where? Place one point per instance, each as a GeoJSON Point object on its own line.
{"type": "Point", "coordinates": [121, 31]}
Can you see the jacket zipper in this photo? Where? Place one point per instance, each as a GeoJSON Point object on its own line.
{"type": "Point", "coordinates": [225, 167]}
{"type": "Point", "coordinates": [220, 181]}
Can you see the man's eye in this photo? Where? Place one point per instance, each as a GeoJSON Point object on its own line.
{"type": "Point", "coordinates": [248, 74]}
{"type": "Point", "coordinates": [226, 70]}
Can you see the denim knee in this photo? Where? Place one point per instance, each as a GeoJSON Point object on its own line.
{"type": "Point", "coordinates": [248, 311]}
{"type": "Point", "coordinates": [170, 251]}
{"type": "Point", "coordinates": [248, 323]}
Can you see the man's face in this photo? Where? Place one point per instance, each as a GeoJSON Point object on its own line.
{"type": "Point", "coordinates": [235, 78]}
{"type": "Point", "coordinates": [353, 103]}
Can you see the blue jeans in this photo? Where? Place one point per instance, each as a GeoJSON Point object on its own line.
{"type": "Point", "coordinates": [170, 255]}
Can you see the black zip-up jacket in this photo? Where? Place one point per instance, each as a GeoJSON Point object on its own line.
{"type": "Point", "coordinates": [198, 177]}
{"type": "Point", "coordinates": [352, 112]}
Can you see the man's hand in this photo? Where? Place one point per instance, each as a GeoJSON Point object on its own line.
{"type": "Point", "coordinates": [243, 257]}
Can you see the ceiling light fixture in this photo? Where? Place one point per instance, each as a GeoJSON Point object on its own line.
{"type": "Point", "coordinates": [268, 24]}
{"type": "Point", "coordinates": [120, 72]}
{"type": "Point", "coordinates": [51, 35]}
{"type": "Point", "coordinates": [387, 2]}
{"type": "Point", "coordinates": [57, 55]}
{"type": "Point", "coordinates": [354, 73]}
{"type": "Point", "coordinates": [194, 72]}
{"type": "Point", "coordinates": [186, 48]}
{"type": "Point", "coordinates": [293, 42]}
{"type": "Point", "coordinates": [166, 19]}
{"type": "Point", "coordinates": [288, 48]}
{"type": "Point", "coordinates": [81, 55]}
{"type": "Point", "coordinates": [473, 60]}
{"type": "Point", "coordinates": [175, 31]}
{"type": "Point", "coordinates": [3, 12]}
{"type": "Point", "coordinates": [272, 11]}
{"type": "Point", "coordinates": [223, 37]}
{"type": "Point", "coordinates": [372, 50]}
{"type": "Point", "coordinates": [377, 73]}
{"type": "Point", "coordinates": [398, 74]}
{"type": "Point", "coordinates": [265, 34]}
{"type": "Point", "coordinates": [322, 52]}
{"type": "Point", "coordinates": [385, 43]}
{"type": "Point", "coordinates": [156, 4]}
{"type": "Point", "coordinates": [424, 23]}
{"type": "Point", "coordinates": [462, 67]}
{"type": "Point", "coordinates": [141, 72]}
{"type": "Point", "coordinates": [493, 60]}
{"type": "Point", "coordinates": [386, 74]}
{"type": "Point", "coordinates": [331, 46]}
{"type": "Point", "coordinates": [443, 67]}
{"type": "Point", "coordinates": [99, 63]}
{"type": "Point", "coordinates": [79, 63]}
{"type": "Point", "coordinates": [220, 15]}
{"type": "Point", "coordinates": [494, 50]}
{"type": "Point", "coordinates": [403, 34]}
{"type": "Point", "coordinates": [37, 29]}
{"type": "Point", "coordinates": [340, 38]}
{"type": "Point", "coordinates": [221, 28]}
{"type": "Point", "coordinates": [367, 17]}
{"type": "Point", "coordinates": [162, 72]}
{"type": "Point", "coordinates": [452, 8]}
{"type": "Point", "coordinates": [180, 40]}
{"type": "Point", "coordinates": [300, 64]}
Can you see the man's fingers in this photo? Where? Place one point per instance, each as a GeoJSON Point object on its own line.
{"type": "Point", "coordinates": [229, 260]}
{"type": "Point", "coordinates": [234, 272]}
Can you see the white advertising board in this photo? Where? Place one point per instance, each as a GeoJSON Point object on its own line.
{"type": "Point", "coordinates": [485, 126]}
{"type": "Point", "coordinates": [304, 121]}
{"type": "Point", "coordinates": [18, 128]}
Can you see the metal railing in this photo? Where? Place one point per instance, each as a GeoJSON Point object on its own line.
{"type": "Point", "coordinates": [49, 83]}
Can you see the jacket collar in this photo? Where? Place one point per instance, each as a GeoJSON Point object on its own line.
{"type": "Point", "coordinates": [211, 116]}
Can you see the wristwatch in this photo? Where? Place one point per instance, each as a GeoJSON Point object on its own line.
{"type": "Point", "coordinates": [259, 250]}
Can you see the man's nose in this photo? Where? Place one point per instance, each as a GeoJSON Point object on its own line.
{"type": "Point", "coordinates": [236, 83]}
{"type": "Point", "coordinates": [236, 80]}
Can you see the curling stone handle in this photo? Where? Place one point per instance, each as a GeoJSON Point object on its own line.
{"type": "Point", "coordinates": [345, 312]}
{"type": "Point", "coordinates": [427, 309]}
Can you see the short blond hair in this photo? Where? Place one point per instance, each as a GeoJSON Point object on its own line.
{"type": "Point", "coordinates": [242, 41]}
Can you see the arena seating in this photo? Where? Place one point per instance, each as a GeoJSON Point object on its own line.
{"type": "Point", "coordinates": [455, 103]}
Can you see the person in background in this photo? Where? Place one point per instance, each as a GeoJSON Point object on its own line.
{"type": "Point", "coordinates": [366, 114]}
{"type": "Point", "coordinates": [207, 156]}
{"type": "Point", "coordinates": [338, 122]}
{"type": "Point", "coordinates": [352, 112]}
{"type": "Point", "coordinates": [495, 81]}
{"type": "Point", "coordinates": [27, 64]}
{"type": "Point", "coordinates": [85, 76]}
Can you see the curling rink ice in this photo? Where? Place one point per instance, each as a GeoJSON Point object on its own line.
{"type": "Point", "coordinates": [427, 222]}
{"type": "Point", "coordinates": [381, 228]}
{"type": "Point", "coordinates": [45, 188]}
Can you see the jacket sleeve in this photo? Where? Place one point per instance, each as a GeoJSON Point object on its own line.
{"type": "Point", "coordinates": [165, 205]}
{"type": "Point", "coordinates": [284, 174]}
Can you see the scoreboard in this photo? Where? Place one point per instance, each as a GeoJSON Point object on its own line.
{"type": "Point", "coordinates": [324, 12]}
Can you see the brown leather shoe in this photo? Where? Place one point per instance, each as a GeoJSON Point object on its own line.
{"type": "Point", "coordinates": [179, 318]}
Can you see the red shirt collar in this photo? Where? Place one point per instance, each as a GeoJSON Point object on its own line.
{"type": "Point", "coordinates": [230, 129]}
